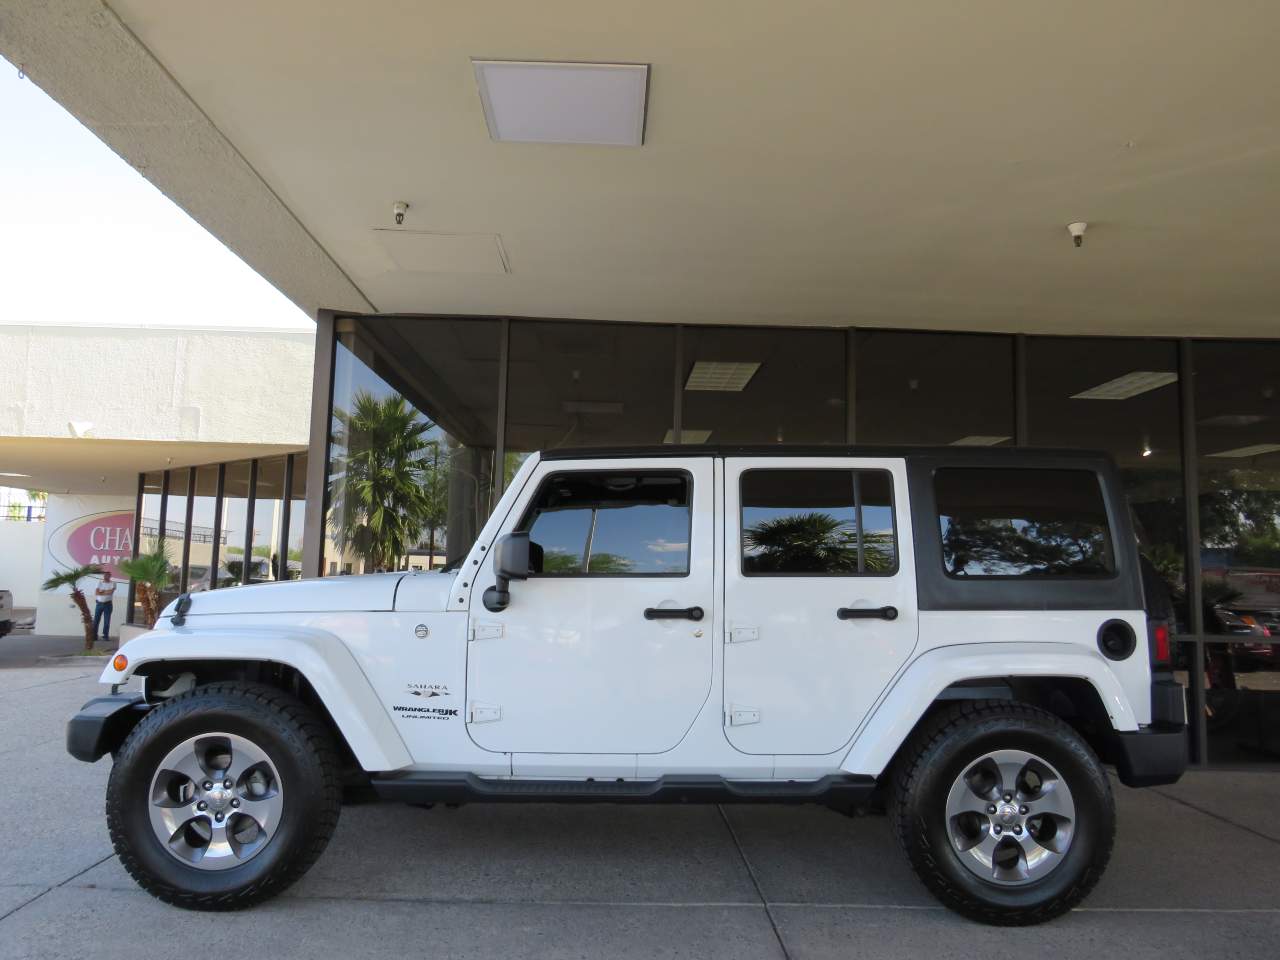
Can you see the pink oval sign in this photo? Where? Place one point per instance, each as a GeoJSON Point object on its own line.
{"type": "Point", "coordinates": [104, 539]}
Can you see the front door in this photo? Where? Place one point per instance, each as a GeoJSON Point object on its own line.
{"type": "Point", "coordinates": [600, 650]}
{"type": "Point", "coordinates": [820, 606]}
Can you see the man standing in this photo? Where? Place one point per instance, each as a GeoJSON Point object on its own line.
{"type": "Point", "coordinates": [104, 594]}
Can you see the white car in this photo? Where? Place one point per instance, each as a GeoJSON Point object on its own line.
{"type": "Point", "coordinates": [957, 636]}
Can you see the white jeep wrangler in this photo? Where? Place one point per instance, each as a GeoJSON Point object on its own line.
{"type": "Point", "coordinates": [958, 636]}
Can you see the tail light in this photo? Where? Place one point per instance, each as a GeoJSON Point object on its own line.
{"type": "Point", "coordinates": [1161, 655]}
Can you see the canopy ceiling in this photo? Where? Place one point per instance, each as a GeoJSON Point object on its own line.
{"type": "Point", "coordinates": [900, 165]}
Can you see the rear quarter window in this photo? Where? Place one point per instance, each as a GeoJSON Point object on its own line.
{"type": "Point", "coordinates": [1023, 523]}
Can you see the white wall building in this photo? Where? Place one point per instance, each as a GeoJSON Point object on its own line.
{"type": "Point", "coordinates": [86, 409]}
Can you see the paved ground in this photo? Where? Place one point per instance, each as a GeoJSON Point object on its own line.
{"type": "Point", "coordinates": [1196, 873]}
{"type": "Point", "coordinates": [25, 649]}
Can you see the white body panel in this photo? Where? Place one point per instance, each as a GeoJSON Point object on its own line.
{"type": "Point", "coordinates": [797, 680]}
{"type": "Point", "coordinates": [577, 683]}
{"type": "Point", "coordinates": [310, 644]}
{"type": "Point", "coordinates": [573, 667]}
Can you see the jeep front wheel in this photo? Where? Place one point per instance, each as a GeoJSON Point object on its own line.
{"type": "Point", "coordinates": [223, 796]}
{"type": "Point", "coordinates": [1004, 812]}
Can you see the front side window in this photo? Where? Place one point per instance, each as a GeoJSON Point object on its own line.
{"type": "Point", "coordinates": [817, 523]}
{"type": "Point", "coordinates": [612, 523]}
{"type": "Point", "coordinates": [1002, 522]}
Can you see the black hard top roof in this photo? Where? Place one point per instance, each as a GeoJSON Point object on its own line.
{"type": "Point", "coordinates": [970, 454]}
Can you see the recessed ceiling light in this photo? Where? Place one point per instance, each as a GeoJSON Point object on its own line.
{"type": "Point", "coordinates": [1257, 450]}
{"type": "Point", "coordinates": [540, 102]}
{"type": "Point", "coordinates": [1130, 385]}
{"type": "Point", "coordinates": [978, 440]}
{"type": "Point", "coordinates": [723, 375]}
{"type": "Point", "coordinates": [591, 406]}
{"type": "Point", "coordinates": [1233, 420]}
{"type": "Point", "coordinates": [688, 436]}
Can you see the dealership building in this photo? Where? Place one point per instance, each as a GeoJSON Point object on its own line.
{"type": "Point", "coordinates": [550, 225]}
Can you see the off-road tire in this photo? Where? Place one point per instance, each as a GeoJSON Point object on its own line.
{"type": "Point", "coordinates": [298, 744]}
{"type": "Point", "coordinates": [923, 774]}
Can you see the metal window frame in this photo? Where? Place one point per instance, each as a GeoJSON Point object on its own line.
{"type": "Point", "coordinates": [317, 502]}
{"type": "Point", "coordinates": [137, 534]}
{"type": "Point", "coordinates": [215, 557]}
{"type": "Point", "coordinates": [184, 572]}
{"type": "Point", "coordinates": [286, 506]}
{"type": "Point", "coordinates": [250, 503]}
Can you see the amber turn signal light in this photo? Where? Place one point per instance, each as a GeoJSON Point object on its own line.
{"type": "Point", "coordinates": [120, 662]}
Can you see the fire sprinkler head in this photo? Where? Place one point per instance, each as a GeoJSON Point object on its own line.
{"type": "Point", "coordinates": [1077, 229]}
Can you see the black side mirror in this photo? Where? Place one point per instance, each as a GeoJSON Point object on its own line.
{"type": "Point", "coordinates": [514, 558]}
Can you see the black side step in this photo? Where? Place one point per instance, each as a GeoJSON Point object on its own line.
{"type": "Point", "coordinates": [835, 790]}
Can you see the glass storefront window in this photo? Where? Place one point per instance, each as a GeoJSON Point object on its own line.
{"type": "Point", "coordinates": [945, 388]}
{"type": "Point", "coordinates": [203, 534]}
{"type": "Point", "coordinates": [588, 385]}
{"type": "Point", "coordinates": [1238, 440]}
{"type": "Point", "coordinates": [267, 552]}
{"type": "Point", "coordinates": [1242, 701]}
{"type": "Point", "coordinates": [292, 567]}
{"type": "Point", "coordinates": [1119, 396]}
{"type": "Point", "coordinates": [175, 526]}
{"type": "Point", "coordinates": [231, 569]}
{"type": "Point", "coordinates": [148, 526]}
{"type": "Point", "coordinates": [412, 443]}
{"type": "Point", "coordinates": [765, 385]}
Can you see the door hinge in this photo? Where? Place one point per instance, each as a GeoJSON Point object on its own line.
{"type": "Point", "coordinates": [486, 631]}
{"type": "Point", "coordinates": [740, 716]}
{"type": "Point", "coordinates": [483, 713]}
{"type": "Point", "coordinates": [744, 634]}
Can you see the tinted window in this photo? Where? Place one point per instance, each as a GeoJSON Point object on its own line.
{"type": "Point", "coordinates": [817, 522]}
{"type": "Point", "coordinates": [612, 523]}
{"type": "Point", "coordinates": [1022, 523]}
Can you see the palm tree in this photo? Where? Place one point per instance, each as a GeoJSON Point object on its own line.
{"type": "Point", "coordinates": [152, 574]}
{"type": "Point", "coordinates": [382, 501]}
{"type": "Point", "coordinates": [815, 541]}
{"type": "Point", "coordinates": [71, 577]}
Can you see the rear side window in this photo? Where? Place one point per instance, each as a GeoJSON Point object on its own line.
{"type": "Point", "coordinates": [1001, 522]}
{"type": "Point", "coordinates": [612, 523]}
{"type": "Point", "coordinates": [817, 523]}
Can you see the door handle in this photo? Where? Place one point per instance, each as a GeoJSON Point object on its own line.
{"type": "Point", "coordinates": [673, 613]}
{"type": "Point", "coordinates": [867, 613]}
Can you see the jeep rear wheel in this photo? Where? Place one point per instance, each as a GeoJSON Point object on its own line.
{"type": "Point", "coordinates": [1004, 812]}
{"type": "Point", "coordinates": [223, 796]}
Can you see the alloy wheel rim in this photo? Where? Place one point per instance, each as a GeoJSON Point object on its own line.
{"type": "Point", "coordinates": [1010, 817]}
{"type": "Point", "coordinates": [215, 801]}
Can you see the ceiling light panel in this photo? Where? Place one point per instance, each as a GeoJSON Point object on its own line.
{"type": "Point", "coordinates": [721, 375]}
{"type": "Point", "coordinates": [1256, 450]}
{"type": "Point", "coordinates": [688, 436]}
{"type": "Point", "coordinates": [1233, 420]}
{"type": "Point", "coordinates": [979, 440]}
{"type": "Point", "coordinates": [1130, 385]}
{"type": "Point", "coordinates": [541, 102]}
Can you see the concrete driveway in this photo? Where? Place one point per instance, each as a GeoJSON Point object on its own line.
{"type": "Point", "coordinates": [1196, 873]}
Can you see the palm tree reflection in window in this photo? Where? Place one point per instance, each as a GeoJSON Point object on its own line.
{"type": "Point", "coordinates": [1011, 548]}
{"type": "Point", "coordinates": [387, 483]}
{"type": "Point", "coordinates": [814, 542]}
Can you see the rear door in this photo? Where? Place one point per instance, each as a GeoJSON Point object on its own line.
{"type": "Point", "coordinates": [820, 606]}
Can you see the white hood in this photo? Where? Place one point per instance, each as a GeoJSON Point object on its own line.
{"type": "Point", "coordinates": [375, 591]}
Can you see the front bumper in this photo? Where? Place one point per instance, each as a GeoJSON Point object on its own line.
{"type": "Point", "coordinates": [102, 724]}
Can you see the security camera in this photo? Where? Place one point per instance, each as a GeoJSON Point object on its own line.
{"type": "Point", "coordinates": [1077, 230]}
{"type": "Point", "coordinates": [399, 208]}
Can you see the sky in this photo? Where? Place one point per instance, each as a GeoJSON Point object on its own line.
{"type": "Point", "coordinates": [85, 239]}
